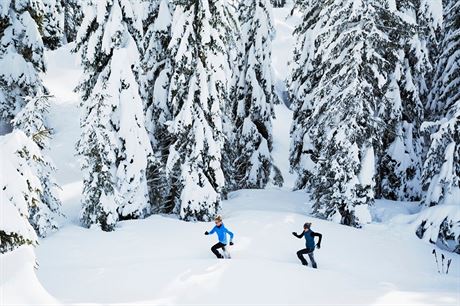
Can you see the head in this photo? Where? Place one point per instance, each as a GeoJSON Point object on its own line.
{"type": "Point", "coordinates": [218, 220]}
{"type": "Point", "coordinates": [307, 226]}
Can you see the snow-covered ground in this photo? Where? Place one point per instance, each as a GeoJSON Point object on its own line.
{"type": "Point", "coordinates": [164, 261]}
{"type": "Point", "coordinates": [161, 260]}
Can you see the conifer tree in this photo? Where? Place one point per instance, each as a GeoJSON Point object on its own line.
{"type": "Point", "coordinates": [303, 79]}
{"type": "Point", "coordinates": [21, 55]}
{"type": "Point", "coordinates": [401, 164]}
{"type": "Point", "coordinates": [157, 66]}
{"type": "Point", "coordinates": [19, 190]}
{"type": "Point", "coordinates": [255, 99]}
{"type": "Point", "coordinates": [234, 50]}
{"type": "Point", "coordinates": [345, 57]}
{"type": "Point", "coordinates": [198, 91]}
{"type": "Point", "coordinates": [278, 3]}
{"type": "Point", "coordinates": [23, 101]}
{"type": "Point", "coordinates": [73, 17]}
{"type": "Point", "coordinates": [441, 171]}
{"type": "Point", "coordinates": [31, 120]}
{"type": "Point", "coordinates": [439, 222]}
{"type": "Point", "coordinates": [114, 143]}
{"type": "Point", "coordinates": [53, 24]}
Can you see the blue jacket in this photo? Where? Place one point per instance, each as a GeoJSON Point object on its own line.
{"type": "Point", "coordinates": [310, 238]}
{"type": "Point", "coordinates": [222, 232]}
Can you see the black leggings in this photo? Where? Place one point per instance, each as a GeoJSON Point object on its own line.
{"type": "Point", "coordinates": [300, 254]}
{"type": "Point", "coordinates": [215, 248]}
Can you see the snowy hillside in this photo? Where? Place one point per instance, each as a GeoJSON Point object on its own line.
{"type": "Point", "coordinates": [162, 260]}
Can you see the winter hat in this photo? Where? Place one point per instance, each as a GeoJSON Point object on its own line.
{"type": "Point", "coordinates": [307, 225]}
{"type": "Point", "coordinates": [218, 218]}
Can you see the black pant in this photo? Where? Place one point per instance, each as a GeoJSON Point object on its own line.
{"type": "Point", "coordinates": [215, 248]}
{"type": "Point", "coordinates": [300, 254]}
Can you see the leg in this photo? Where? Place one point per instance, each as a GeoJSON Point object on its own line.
{"type": "Point", "coordinates": [215, 248]}
{"type": "Point", "coordinates": [226, 253]}
{"type": "Point", "coordinates": [312, 259]}
{"type": "Point", "coordinates": [300, 255]}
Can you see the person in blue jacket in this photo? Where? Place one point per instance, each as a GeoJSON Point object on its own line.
{"type": "Point", "coordinates": [309, 243]}
{"type": "Point", "coordinates": [222, 232]}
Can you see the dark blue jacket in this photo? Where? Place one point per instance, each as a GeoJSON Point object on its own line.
{"type": "Point", "coordinates": [310, 238]}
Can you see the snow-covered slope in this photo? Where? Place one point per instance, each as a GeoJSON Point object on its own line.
{"type": "Point", "coordinates": [61, 79]}
{"type": "Point", "coordinates": [164, 261]}
{"type": "Point", "coordinates": [18, 282]}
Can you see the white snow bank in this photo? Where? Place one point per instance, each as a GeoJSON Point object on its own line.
{"type": "Point", "coordinates": [387, 211]}
{"type": "Point", "coordinates": [440, 225]}
{"type": "Point", "coordinates": [18, 283]}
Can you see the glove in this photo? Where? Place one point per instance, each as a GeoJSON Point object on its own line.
{"type": "Point", "coordinates": [206, 233]}
{"type": "Point", "coordinates": [294, 233]}
{"type": "Point", "coordinates": [318, 245]}
{"type": "Point", "coordinates": [231, 242]}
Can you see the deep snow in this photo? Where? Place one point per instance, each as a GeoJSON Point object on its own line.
{"type": "Point", "coordinates": [164, 261]}
{"type": "Point", "coordinates": [161, 260]}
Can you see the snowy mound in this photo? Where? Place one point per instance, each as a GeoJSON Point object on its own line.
{"type": "Point", "coordinates": [439, 225]}
{"type": "Point", "coordinates": [18, 283]}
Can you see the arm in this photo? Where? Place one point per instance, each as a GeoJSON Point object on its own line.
{"type": "Point", "coordinates": [298, 235]}
{"type": "Point", "coordinates": [211, 232]}
{"type": "Point", "coordinates": [230, 234]}
{"type": "Point", "coordinates": [320, 238]}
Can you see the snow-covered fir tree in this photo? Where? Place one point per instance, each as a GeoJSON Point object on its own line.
{"type": "Point", "coordinates": [31, 120]}
{"type": "Point", "coordinates": [400, 166]}
{"type": "Point", "coordinates": [439, 223]}
{"type": "Point", "coordinates": [53, 24]}
{"type": "Point", "coordinates": [256, 96]}
{"type": "Point", "coordinates": [26, 192]}
{"type": "Point", "coordinates": [73, 17]}
{"type": "Point", "coordinates": [157, 67]}
{"type": "Point", "coordinates": [423, 46]}
{"type": "Point", "coordinates": [234, 50]}
{"type": "Point", "coordinates": [114, 144]}
{"type": "Point", "coordinates": [278, 3]}
{"type": "Point", "coordinates": [22, 99]}
{"type": "Point", "coordinates": [340, 86]}
{"type": "Point", "coordinates": [19, 190]}
{"type": "Point", "coordinates": [303, 79]}
{"type": "Point", "coordinates": [198, 91]}
{"type": "Point", "coordinates": [21, 55]}
{"type": "Point", "coordinates": [441, 171]}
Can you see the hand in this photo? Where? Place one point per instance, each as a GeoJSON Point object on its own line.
{"type": "Point", "coordinates": [231, 242]}
{"type": "Point", "coordinates": [318, 245]}
{"type": "Point", "coordinates": [294, 233]}
{"type": "Point", "coordinates": [206, 233]}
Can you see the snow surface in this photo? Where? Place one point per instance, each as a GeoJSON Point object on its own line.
{"type": "Point", "coordinates": [161, 260]}
{"type": "Point", "coordinates": [18, 283]}
{"type": "Point", "coordinates": [164, 261]}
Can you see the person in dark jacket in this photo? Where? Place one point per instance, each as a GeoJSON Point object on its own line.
{"type": "Point", "coordinates": [309, 243]}
{"type": "Point", "coordinates": [222, 232]}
